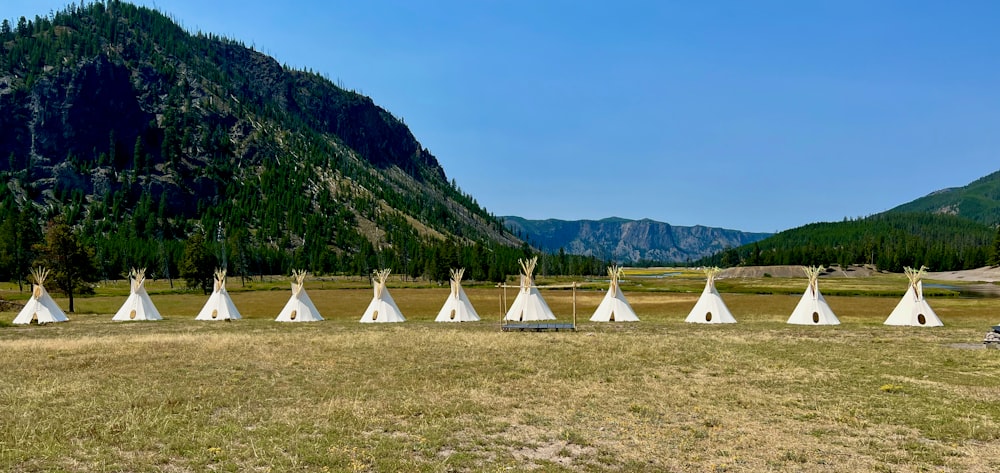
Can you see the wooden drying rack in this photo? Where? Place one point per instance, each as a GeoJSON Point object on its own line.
{"type": "Point", "coordinates": [506, 326]}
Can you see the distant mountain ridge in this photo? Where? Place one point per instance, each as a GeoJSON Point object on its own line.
{"type": "Point", "coordinates": [626, 240]}
{"type": "Point", "coordinates": [978, 201]}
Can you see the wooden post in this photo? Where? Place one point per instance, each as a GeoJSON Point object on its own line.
{"type": "Point", "coordinates": [503, 308]}
{"type": "Point", "coordinates": [574, 305]}
{"type": "Point", "coordinates": [501, 303]}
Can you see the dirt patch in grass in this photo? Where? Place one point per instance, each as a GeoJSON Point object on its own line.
{"type": "Point", "coordinates": [558, 452]}
{"type": "Point", "coordinates": [974, 346]}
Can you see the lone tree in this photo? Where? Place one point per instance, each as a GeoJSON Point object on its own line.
{"type": "Point", "coordinates": [197, 267]}
{"type": "Point", "coordinates": [71, 264]}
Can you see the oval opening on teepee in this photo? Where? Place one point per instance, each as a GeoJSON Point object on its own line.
{"type": "Point", "coordinates": [452, 316]}
{"type": "Point", "coordinates": [921, 319]}
{"type": "Point", "coordinates": [38, 292]}
{"type": "Point", "coordinates": [375, 315]}
{"type": "Point", "coordinates": [708, 316]}
{"type": "Point", "coordinates": [815, 317]}
{"type": "Point", "coordinates": [131, 315]}
{"type": "Point", "coordinates": [215, 313]}
{"type": "Point", "coordinates": [295, 313]}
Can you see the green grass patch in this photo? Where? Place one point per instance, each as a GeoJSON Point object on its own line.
{"type": "Point", "coordinates": [255, 395]}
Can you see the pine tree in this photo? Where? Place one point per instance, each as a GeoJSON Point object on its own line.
{"type": "Point", "coordinates": [139, 158]}
{"type": "Point", "coordinates": [198, 264]}
{"type": "Point", "coordinates": [995, 254]}
{"type": "Point", "coordinates": [71, 264]}
{"type": "Point", "coordinates": [18, 235]}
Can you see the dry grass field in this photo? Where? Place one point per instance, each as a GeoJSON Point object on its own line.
{"type": "Point", "coordinates": [658, 395]}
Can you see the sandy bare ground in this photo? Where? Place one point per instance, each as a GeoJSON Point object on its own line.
{"type": "Point", "coordinates": [984, 274]}
{"type": "Point", "coordinates": [794, 271]}
{"type": "Point", "coordinates": [981, 281]}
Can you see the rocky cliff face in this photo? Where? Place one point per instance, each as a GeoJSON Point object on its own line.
{"type": "Point", "coordinates": [73, 109]}
{"type": "Point", "coordinates": [102, 104]}
{"type": "Point", "coordinates": [630, 240]}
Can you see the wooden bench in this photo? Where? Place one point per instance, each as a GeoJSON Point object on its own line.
{"type": "Point", "coordinates": [538, 327]}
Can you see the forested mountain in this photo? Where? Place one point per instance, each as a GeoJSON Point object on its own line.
{"type": "Point", "coordinates": [630, 241]}
{"type": "Point", "coordinates": [978, 201]}
{"type": "Point", "coordinates": [949, 229]}
{"type": "Point", "coordinates": [140, 134]}
{"type": "Point", "coordinates": [890, 241]}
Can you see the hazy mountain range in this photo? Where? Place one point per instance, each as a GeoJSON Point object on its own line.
{"type": "Point", "coordinates": [627, 240]}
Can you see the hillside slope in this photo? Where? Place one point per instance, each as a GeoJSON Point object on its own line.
{"type": "Point", "coordinates": [140, 134]}
{"type": "Point", "coordinates": [627, 240]}
{"type": "Point", "coordinates": [978, 201]}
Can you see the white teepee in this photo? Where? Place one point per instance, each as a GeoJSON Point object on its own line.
{"type": "Point", "coordinates": [382, 308]}
{"type": "Point", "coordinates": [458, 307]}
{"type": "Point", "coordinates": [614, 307]}
{"type": "Point", "coordinates": [138, 306]}
{"type": "Point", "coordinates": [529, 304]}
{"type": "Point", "coordinates": [913, 309]}
{"type": "Point", "coordinates": [40, 309]}
{"type": "Point", "coordinates": [812, 308]}
{"type": "Point", "coordinates": [300, 307]}
{"type": "Point", "coordinates": [219, 306]}
{"type": "Point", "coordinates": [710, 308]}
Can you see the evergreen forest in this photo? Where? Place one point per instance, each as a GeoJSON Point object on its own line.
{"type": "Point", "coordinates": [889, 241]}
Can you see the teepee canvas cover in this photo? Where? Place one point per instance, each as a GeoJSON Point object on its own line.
{"type": "Point", "coordinates": [614, 307]}
{"type": "Point", "coordinates": [529, 304]}
{"type": "Point", "coordinates": [913, 309]}
{"type": "Point", "coordinates": [458, 307]}
{"type": "Point", "coordinates": [710, 308]}
{"type": "Point", "coordinates": [138, 306]}
{"type": "Point", "coordinates": [382, 308]}
{"type": "Point", "coordinates": [219, 306]}
{"type": "Point", "coordinates": [40, 309]}
{"type": "Point", "coordinates": [812, 308]}
{"type": "Point", "coordinates": [299, 307]}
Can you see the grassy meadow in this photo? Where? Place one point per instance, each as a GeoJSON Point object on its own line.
{"type": "Point", "coordinates": [658, 395]}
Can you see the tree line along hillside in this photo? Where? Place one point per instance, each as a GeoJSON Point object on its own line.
{"type": "Point", "coordinates": [141, 137]}
{"type": "Point", "coordinates": [890, 241]}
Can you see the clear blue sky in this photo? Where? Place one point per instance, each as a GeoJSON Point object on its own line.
{"type": "Point", "coordinates": [758, 116]}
